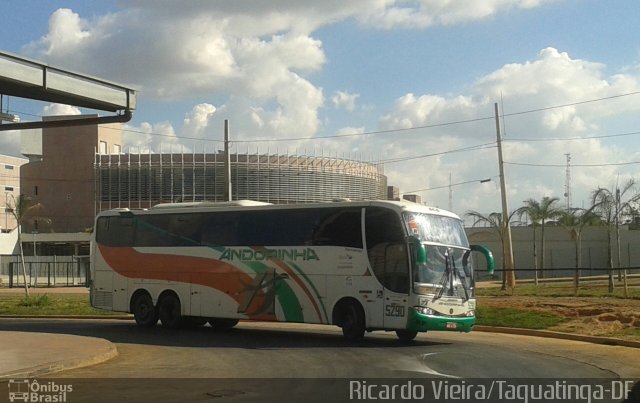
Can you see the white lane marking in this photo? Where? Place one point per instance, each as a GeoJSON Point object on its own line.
{"type": "Point", "coordinates": [431, 371]}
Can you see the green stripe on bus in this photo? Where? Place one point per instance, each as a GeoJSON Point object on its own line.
{"type": "Point", "coordinates": [288, 300]}
{"type": "Point", "coordinates": [313, 287]}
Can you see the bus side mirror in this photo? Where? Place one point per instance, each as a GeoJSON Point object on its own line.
{"type": "Point", "coordinates": [420, 250]}
{"type": "Point", "coordinates": [487, 255]}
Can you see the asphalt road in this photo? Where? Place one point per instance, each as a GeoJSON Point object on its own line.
{"type": "Point", "coordinates": [286, 362]}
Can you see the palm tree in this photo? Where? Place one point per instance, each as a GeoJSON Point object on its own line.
{"type": "Point", "coordinates": [611, 208]}
{"type": "Point", "coordinates": [574, 220]}
{"type": "Point", "coordinates": [539, 211]}
{"type": "Point", "coordinates": [494, 221]}
{"type": "Point", "coordinates": [22, 208]}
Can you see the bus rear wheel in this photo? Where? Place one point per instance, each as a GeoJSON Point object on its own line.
{"type": "Point", "coordinates": [144, 312]}
{"type": "Point", "coordinates": [406, 335]}
{"type": "Point", "coordinates": [223, 323]}
{"type": "Point", "coordinates": [170, 312]}
{"type": "Point", "coordinates": [353, 325]}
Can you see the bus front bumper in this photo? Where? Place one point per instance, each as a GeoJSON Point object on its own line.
{"type": "Point", "coordinates": [422, 323]}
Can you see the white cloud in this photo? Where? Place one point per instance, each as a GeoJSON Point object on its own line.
{"type": "Point", "coordinates": [345, 100]}
{"type": "Point", "coordinates": [254, 54]}
{"type": "Point", "coordinates": [155, 138]}
{"type": "Point", "coordinates": [552, 78]}
{"type": "Point", "coordinates": [197, 120]}
{"type": "Point", "coordinates": [59, 109]}
{"type": "Point", "coordinates": [258, 60]}
{"type": "Point", "coordinates": [426, 13]}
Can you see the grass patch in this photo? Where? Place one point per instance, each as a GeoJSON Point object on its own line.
{"type": "Point", "coordinates": [35, 301]}
{"type": "Point", "coordinates": [58, 304]}
{"type": "Point", "coordinates": [520, 318]}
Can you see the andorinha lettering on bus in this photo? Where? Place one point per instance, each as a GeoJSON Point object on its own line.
{"type": "Point", "coordinates": [267, 254]}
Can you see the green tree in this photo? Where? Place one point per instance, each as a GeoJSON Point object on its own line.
{"type": "Point", "coordinates": [574, 220]}
{"type": "Point", "coordinates": [539, 212]}
{"type": "Point", "coordinates": [494, 221]}
{"type": "Point", "coordinates": [22, 209]}
{"type": "Point", "coordinates": [612, 206]}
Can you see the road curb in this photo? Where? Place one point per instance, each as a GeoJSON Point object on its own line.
{"type": "Point", "coordinates": [559, 335]}
{"type": "Point", "coordinates": [117, 317]}
{"type": "Point", "coordinates": [608, 341]}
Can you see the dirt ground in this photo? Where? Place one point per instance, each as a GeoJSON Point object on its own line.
{"type": "Point", "coordinates": [610, 317]}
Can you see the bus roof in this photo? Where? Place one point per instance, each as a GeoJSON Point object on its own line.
{"type": "Point", "coordinates": [193, 207]}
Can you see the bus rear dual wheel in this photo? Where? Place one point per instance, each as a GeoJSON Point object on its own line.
{"type": "Point", "coordinates": [170, 312]}
{"type": "Point", "coordinates": [144, 312]}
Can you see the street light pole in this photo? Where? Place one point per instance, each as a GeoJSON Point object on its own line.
{"type": "Point", "coordinates": [228, 196]}
{"type": "Point", "coordinates": [507, 243]}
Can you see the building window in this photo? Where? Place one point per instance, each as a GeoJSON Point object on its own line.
{"type": "Point", "coordinates": [8, 188]}
{"type": "Point", "coordinates": [103, 148]}
{"type": "Point", "coordinates": [35, 190]}
{"type": "Point", "coordinates": [117, 148]}
{"type": "Point", "coordinates": [7, 166]}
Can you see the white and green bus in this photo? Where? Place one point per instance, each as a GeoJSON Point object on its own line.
{"type": "Point", "coordinates": [363, 266]}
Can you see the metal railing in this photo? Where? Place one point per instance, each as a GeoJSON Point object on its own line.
{"type": "Point", "coordinates": [73, 271]}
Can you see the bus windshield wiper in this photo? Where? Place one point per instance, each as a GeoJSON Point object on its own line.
{"type": "Point", "coordinates": [445, 277]}
{"type": "Point", "coordinates": [449, 275]}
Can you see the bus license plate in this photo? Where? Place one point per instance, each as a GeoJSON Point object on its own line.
{"type": "Point", "coordinates": [452, 325]}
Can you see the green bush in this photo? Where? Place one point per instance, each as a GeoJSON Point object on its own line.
{"type": "Point", "coordinates": [35, 301]}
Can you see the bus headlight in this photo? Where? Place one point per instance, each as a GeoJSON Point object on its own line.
{"type": "Point", "coordinates": [471, 313]}
{"type": "Point", "coordinates": [424, 310]}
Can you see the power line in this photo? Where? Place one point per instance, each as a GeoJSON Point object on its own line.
{"type": "Point", "coordinates": [572, 104]}
{"type": "Point", "coordinates": [573, 165]}
{"type": "Point", "coordinates": [454, 184]}
{"type": "Point", "coordinates": [458, 150]}
{"type": "Point", "coordinates": [573, 138]}
{"type": "Point", "coordinates": [444, 124]}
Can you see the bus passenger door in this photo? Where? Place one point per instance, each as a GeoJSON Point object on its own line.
{"type": "Point", "coordinates": [396, 281]}
{"type": "Point", "coordinates": [389, 261]}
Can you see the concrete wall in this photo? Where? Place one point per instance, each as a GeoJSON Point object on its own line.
{"type": "Point", "coordinates": [560, 249]}
{"type": "Point", "coordinates": [10, 185]}
{"type": "Point", "coordinates": [63, 181]}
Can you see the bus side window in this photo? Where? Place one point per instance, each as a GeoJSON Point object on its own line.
{"type": "Point", "coordinates": [220, 229]}
{"type": "Point", "coordinates": [185, 229]}
{"type": "Point", "coordinates": [151, 230]}
{"type": "Point", "coordinates": [340, 228]}
{"type": "Point", "coordinates": [386, 249]}
{"type": "Point", "coordinates": [115, 231]}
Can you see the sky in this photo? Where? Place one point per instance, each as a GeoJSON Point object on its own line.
{"type": "Point", "coordinates": [411, 84]}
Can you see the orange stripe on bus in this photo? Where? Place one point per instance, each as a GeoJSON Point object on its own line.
{"type": "Point", "coordinates": [213, 273]}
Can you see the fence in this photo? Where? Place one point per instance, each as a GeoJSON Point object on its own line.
{"type": "Point", "coordinates": [54, 271]}
{"type": "Point", "coordinates": [559, 273]}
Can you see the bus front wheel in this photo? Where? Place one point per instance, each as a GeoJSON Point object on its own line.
{"type": "Point", "coordinates": [222, 323]}
{"type": "Point", "coordinates": [353, 324]}
{"type": "Point", "coordinates": [144, 312]}
{"type": "Point", "coordinates": [170, 311]}
{"type": "Point", "coordinates": [406, 335]}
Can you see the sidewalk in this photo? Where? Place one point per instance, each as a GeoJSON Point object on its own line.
{"type": "Point", "coordinates": [26, 354]}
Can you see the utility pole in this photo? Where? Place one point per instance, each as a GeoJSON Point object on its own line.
{"type": "Point", "coordinates": [450, 194]}
{"type": "Point", "coordinates": [227, 164]}
{"type": "Point", "coordinates": [567, 182]}
{"type": "Point", "coordinates": [506, 227]}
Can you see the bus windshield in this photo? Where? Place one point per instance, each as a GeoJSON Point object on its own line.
{"type": "Point", "coordinates": [436, 229]}
{"type": "Point", "coordinates": [448, 268]}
